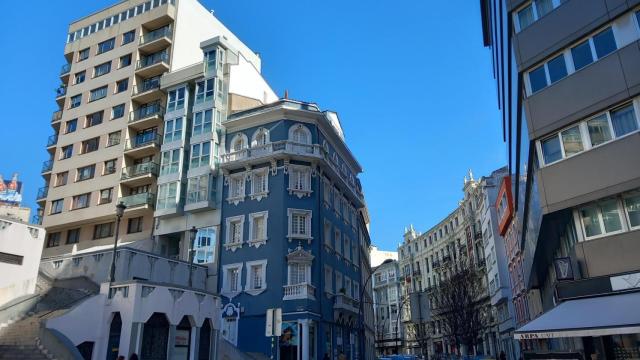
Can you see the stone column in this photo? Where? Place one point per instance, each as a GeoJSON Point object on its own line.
{"type": "Point", "coordinates": [135, 342]}
{"type": "Point", "coordinates": [195, 343]}
{"type": "Point", "coordinates": [305, 339]}
{"type": "Point", "coordinates": [171, 341]}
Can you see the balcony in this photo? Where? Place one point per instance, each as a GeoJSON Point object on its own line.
{"type": "Point", "coordinates": [417, 272]}
{"type": "Point", "coordinates": [346, 303]}
{"type": "Point", "coordinates": [52, 140]}
{"type": "Point", "coordinates": [146, 116]}
{"type": "Point", "coordinates": [65, 70]}
{"type": "Point", "coordinates": [42, 193]}
{"type": "Point", "coordinates": [47, 166]}
{"type": "Point", "coordinates": [57, 115]}
{"type": "Point", "coordinates": [153, 65]}
{"type": "Point", "coordinates": [155, 40]}
{"type": "Point", "coordinates": [61, 92]}
{"type": "Point", "coordinates": [243, 157]}
{"type": "Point", "coordinates": [200, 201]}
{"type": "Point", "coordinates": [143, 145]}
{"type": "Point", "coordinates": [142, 200]}
{"type": "Point", "coordinates": [147, 91]}
{"type": "Point", "coordinates": [139, 174]}
{"type": "Point", "coordinates": [299, 291]}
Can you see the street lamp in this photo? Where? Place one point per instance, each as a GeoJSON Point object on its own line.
{"type": "Point", "coordinates": [119, 212]}
{"type": "Point", "coordinates": [192, 236]}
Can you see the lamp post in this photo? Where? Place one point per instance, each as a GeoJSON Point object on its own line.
{"type": "Point", "coordinates": [119, 212]}
{"type": "Point", "coordinates": [192, 236]}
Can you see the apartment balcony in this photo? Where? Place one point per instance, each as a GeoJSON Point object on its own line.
{"type": "Point", "coordinates": [286, 148]}
{"type": "Point", "coordinates": [153, 65]}
{"type": "Point", "coordinates": [36, 219]}
{"type": "Point", "coordinates": [141, 146]}
{"type": "Point", "coordinates": [52, 140]}
{"type": "Point", "coordinates": [146, 92]}
{"type": "Point", "coordinates": [42, 193]}
{"type": "Point", "coordinates": [65, 71]}
{"type": "Point", "coordinates": [138, 202]}
{"type": "Point", "coordinates": [56, 117]}
{"type": "Point", "coordinates": [200, 201]}
{"type": "Point", "coordinates": [146, 116]}
{"type": "Point", "coordinates": [345, 305]}
{"type": "Point", "coordinates": [417, 272]}
{"type": "Point", "coordinates": [156, 40]}
{"type": "Point", "coordinates": [139, 174]}
{"type": "Point", "coordinates": [61, 92]}
{"type": "Point", "coordinates": [47, 166]}
{"type": "Point", "coordinates": [378, 283]}
{"type": "Point", "coordinates": [299, 292]}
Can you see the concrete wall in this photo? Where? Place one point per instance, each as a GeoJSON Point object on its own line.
{"type": "Point", "coordinates": [245, 80]}
{"type": "Point", "coordinates": [17, 238]}
{"type": "Point", "coordinates": [609, 255]}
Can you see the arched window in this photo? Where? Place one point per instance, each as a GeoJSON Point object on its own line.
{"type": "Point", "coordinates": [260, 137]}
{"type": "Point", "coordinates": [239, 142]}
{"type": "Point", "coordinates": [300, 134]}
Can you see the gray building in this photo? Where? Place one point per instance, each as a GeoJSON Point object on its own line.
{"type": "Point", "coordinates": [569, 86]}
{"type": "Point", "coordinates": [386, 305]}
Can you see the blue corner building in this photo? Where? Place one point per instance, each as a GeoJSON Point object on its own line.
{"type": "Point", "coordinates": [293, 235]}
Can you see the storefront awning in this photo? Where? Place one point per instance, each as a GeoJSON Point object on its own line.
{"type": "Point", "coordinates": [597, 316]}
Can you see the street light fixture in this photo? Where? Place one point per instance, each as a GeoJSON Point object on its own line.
{"type": "Point", "coordinates": [192, 235]}
{"type": "Point", "coordinates": [119, 213]}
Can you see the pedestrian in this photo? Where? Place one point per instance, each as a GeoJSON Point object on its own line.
{"type": "Point", "coordinates": [133, 356]}
{"type": "Point", "coordinates": [503, 356]}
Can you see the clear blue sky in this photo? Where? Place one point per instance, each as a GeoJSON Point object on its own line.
{"type": "Point", "coordinates": [410, 80]}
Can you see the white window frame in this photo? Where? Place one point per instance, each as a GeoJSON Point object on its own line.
{"type": "Point", "coordinates": [337, 239]}
{"type": "Point", "coordinates": [308, 216]}
{"type": "Point", "coordinates": [177, 103]}
{"type": "Point", "coordinates": [262, 238]}
{"type": "Point", "coordinates": [626, 212]}
{"type": "Point", "coordinates": [307, 272]}
{"type": "Point", "coordinates": [171, 133]}
{"type": "Point", "coordinates": [621, 215]}
{"type": "Point", "coordinates": [254, 138]}
{"type": "Point", "coordinates": [200, 159]}
{"type": "Point", "coordinates": [193, 187]}
{"type": "Point", "coordinates": [233, 181]}
{"type": "Point", "coordinates": [299, 127]}
{"type": "Point", "coordinates": [212, 233]}
{"type": "Point", "coordinates": [302, 174]}
{"type": "Point", "coordinates": [327, 192]}
{"type": "Point", "coordinates": [165, 199]}
{"type": "Point", "coordinates": [328, 238]}
{"type": "Point", "coordinates": [233, 245]}
{"type": "Point", "coordinates": [536, 17]}
{"type": "Point", "coordinates": [226, 286]}
{"type": "Point", "coordinates": [346, 247]}
{"type": "Point", "coordinates": [328, 285]}
{"type": "Point", "coordinates": [203, 126]}
{"type": "Point", "coordinates": [248, 285]}
{"type": "Point", "coordinates": [173, 166]}
{"type": "Point", "coordinates": [256, 193]}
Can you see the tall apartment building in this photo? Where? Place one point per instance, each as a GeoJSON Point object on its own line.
{"type": "Point", "coordinates": [379, 256]}
{"type": "Point", "coordinates": [386, 307]}
{"type": "Point", "coordinates": [569, 86]}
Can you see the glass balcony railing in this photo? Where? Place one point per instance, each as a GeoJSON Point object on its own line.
{"type": "Point", "coordinates": [47, 165]}
{"type": "Point", "coordinates": [43, 192]}
{"type": "Point", "coordinates": [143, 140]}
{"type": "Point", "coordinates": [147, 85]}
{"type": "Point", "coordinates": [152, 60]}
{"type": "Point", "coordinates": [57, 115]}
{"type": "Point", "coordinates": [52, 140]}
{"type": "Point", "coordinates": [66, 68]}
{"type": "Point", "coordinates": [146, 112]}
{"type": "Point", "coordinates": [136, 200]}
{"type": "Point", "coordinates": [140, 170]}
{"type": "Point", "coordinates": [155, 35]}
{"type": "Point", "coordinates": [61, 91]}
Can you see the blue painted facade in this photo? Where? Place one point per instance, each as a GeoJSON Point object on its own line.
{"type": "Point", "coordinates": [320, 298]}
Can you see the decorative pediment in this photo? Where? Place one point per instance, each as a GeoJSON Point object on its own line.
{"type": "Point", "coordinates": [299, 255]}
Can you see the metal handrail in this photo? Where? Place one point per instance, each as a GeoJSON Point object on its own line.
{"type": "Point", "coordinates": [152, 60]}
{"type": "Point", "coordinates": [47, 165]}
{"type": "Point", "coordinates": [57, 115]}
{"type": "Point", "coordinates": [146, 112]}
{"type": "Point", "coordinates": [139, 169]}
{"type": "Point", "coordinates": [66, 68]}
{"type": "Point", "coordinates": [138, 199]}
{"type": "Point", "coordinates": [142, 141]}
{"type": "Point", "coordinates": [52, 140]}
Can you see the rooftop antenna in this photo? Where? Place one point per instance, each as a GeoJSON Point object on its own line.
{"type": "Point", "coordinates": [286, 94]}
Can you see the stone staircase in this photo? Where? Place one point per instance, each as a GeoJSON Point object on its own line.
{"type": "Point", "coordinates": [20, 336]}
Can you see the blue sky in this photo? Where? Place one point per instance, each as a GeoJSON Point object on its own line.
{"type": "Point", "coordinates": [410, 80]}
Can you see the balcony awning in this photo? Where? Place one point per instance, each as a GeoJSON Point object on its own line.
{"type": "Point", "coordinates": [597, 316]}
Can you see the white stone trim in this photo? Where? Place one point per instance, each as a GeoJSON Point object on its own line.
{"type": "Point", "coordinates": [226, 288]}
{"type": "Point", "coordinates": [230, 180]}
{"type": "Point", "coordinates": [262, 240]}
{"type": "Point", "coordinates": [259, 195]}
{"type": "Point", "coordinates": [308, 215]}
{"type": "Point", "coordinates": [227, 243]}
{"type": "Point", "coordinates": [254, 141]}
{"type": "Point", "coordinates": [306, 191]}
{"type": "Point", "coordinates": [247, 284]}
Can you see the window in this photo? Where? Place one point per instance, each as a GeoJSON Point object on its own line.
{"type": "Point", "coordinates": [256, 277]}
{"type": "Point", "coordinates": [170, 162]}
{"type": "Point", "coordinates": [300, 134]}
{"type": "Point", "coordinates": [102, 231]}
{"type": "Point", "coordinates": [346, 248]}
{"type": "Point", "coordinates": [299, 179]}
{"type": "Point", "coordinates": [79, 77]}
{"type": "Point", "coordinates": [338, 240]}
{"type": "Point", "coordinates": [90, 145]}
{"type": "Point", "coordinates": [176, 99]}
{"type": "Point", "coordinates": [200, 155]}
{"type": "Point", "coordinates": [204, 246]}
{"type": "Point", "coordinates": [83, 54]}
{"type": "Point", "coordinates": [235, 230]}
{"type": "Point", "coordinates": [167, 196]}
{"type": "Point", "coordinates": [327, 234]}
{"type": "Point", "coordinates": [328, 279]}
{"type": "Point", "coordinates": [125, 61]}
{"type": "Point", "coordinates": [299, 223]}
{"type": "Point", "coordinates": [537, 79]}
{"type": "Point", "coordinates": [122, 85]}
{"type": "Point", "coordinates": [73, 236]}
{"type": "Point", "coordinates": [551, 150]}
{"type": "Point", "coordinates": [337, 201]}
{"type": "Point", "coordinates": [231, 279]}
{"type": "Point", "coordinates": [93, 119]}
{"type": "Point", "coordinates": [601, 218]}
{"type": "Point", "coordinates": [326, 193]}
{"type": "Point", "coordinates": [236, 187]}
{"type": "Point", "coordinates": [134, 225]}
{"type": "Point", "coordinates": [624, 120]}
{"type": "Point", "coordinates": [109, 167]}
{"type": "Point", "coordinates": [173, 130]}
{"type": "Point", "coordinates": [61, 178]}
{"type": "Point", "coordinates": [258, 228]}
{"type": "Point", "coordinates": [99, 93]}
{"type": "Point", "coordinates": [56, 206]}
{"type": "Point", "coordinates": [128, 37]}
{"type": "Point", "coordinates": [202, 122]}
{"type": "Point", "coordinates": [632, 205]}
{"type": "Point", "coordinates": [604, 43]}
{"type": "Point", "coordinates": [70, 126]}
{"type": "Point", "coordinates": [259, 183]}
{"type": "Point", "coordinates": [102, 69]}
{"type": "Point", "coordinates": [204, 90]}
{"type": "Point", "coordinates": [298, 273]}
{"type": "Point", "coordinates": [571, 141]}
{"type": "Point", "coordinates": [198, 189]}
{"type": "Point", "coordinates": [117, 111]}
{"type": "Point", "coordinates": [106, 45]}
{"type": "Point", "coordinates": [66, 152]}
{"type": "Point", "coordinates": [581, 55]}
{"type": "Point", "coordinates": [534, 11]}
{"type": "Point", "coordinates": [113, 138]}
{"type": "Point", "coordinates": [75, 101]}
{"type": "Point", "coordinates": [80, 201]}
{"type": "Point", "coordinates": [106, 196]}
{"type": "Point", "coordinates": [53, 239]}
{"type": "Point", "coordinates": [599, 130]}
{"type": "Point", "coordinates": [526, 17]}
{"type": "Point", "coordinates": [86, 172]}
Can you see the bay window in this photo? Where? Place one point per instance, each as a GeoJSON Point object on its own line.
{"type": "Point", "coordinates": [200, 155]}
{"type": "Point", "coordinates": [176, 99]}
{"type": "Point", "coordinates": [167, 196]}
{"type": "Point", "coordinates": [170, 162]}
{"type": "Point", "coordinates": [173, 130]}
{"type": "Point", "coordinates": [204, 90]}
{"type": "Point", "coordinates": [198, 189]}
{"type": "Point", "coordinates": [202, 122]}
